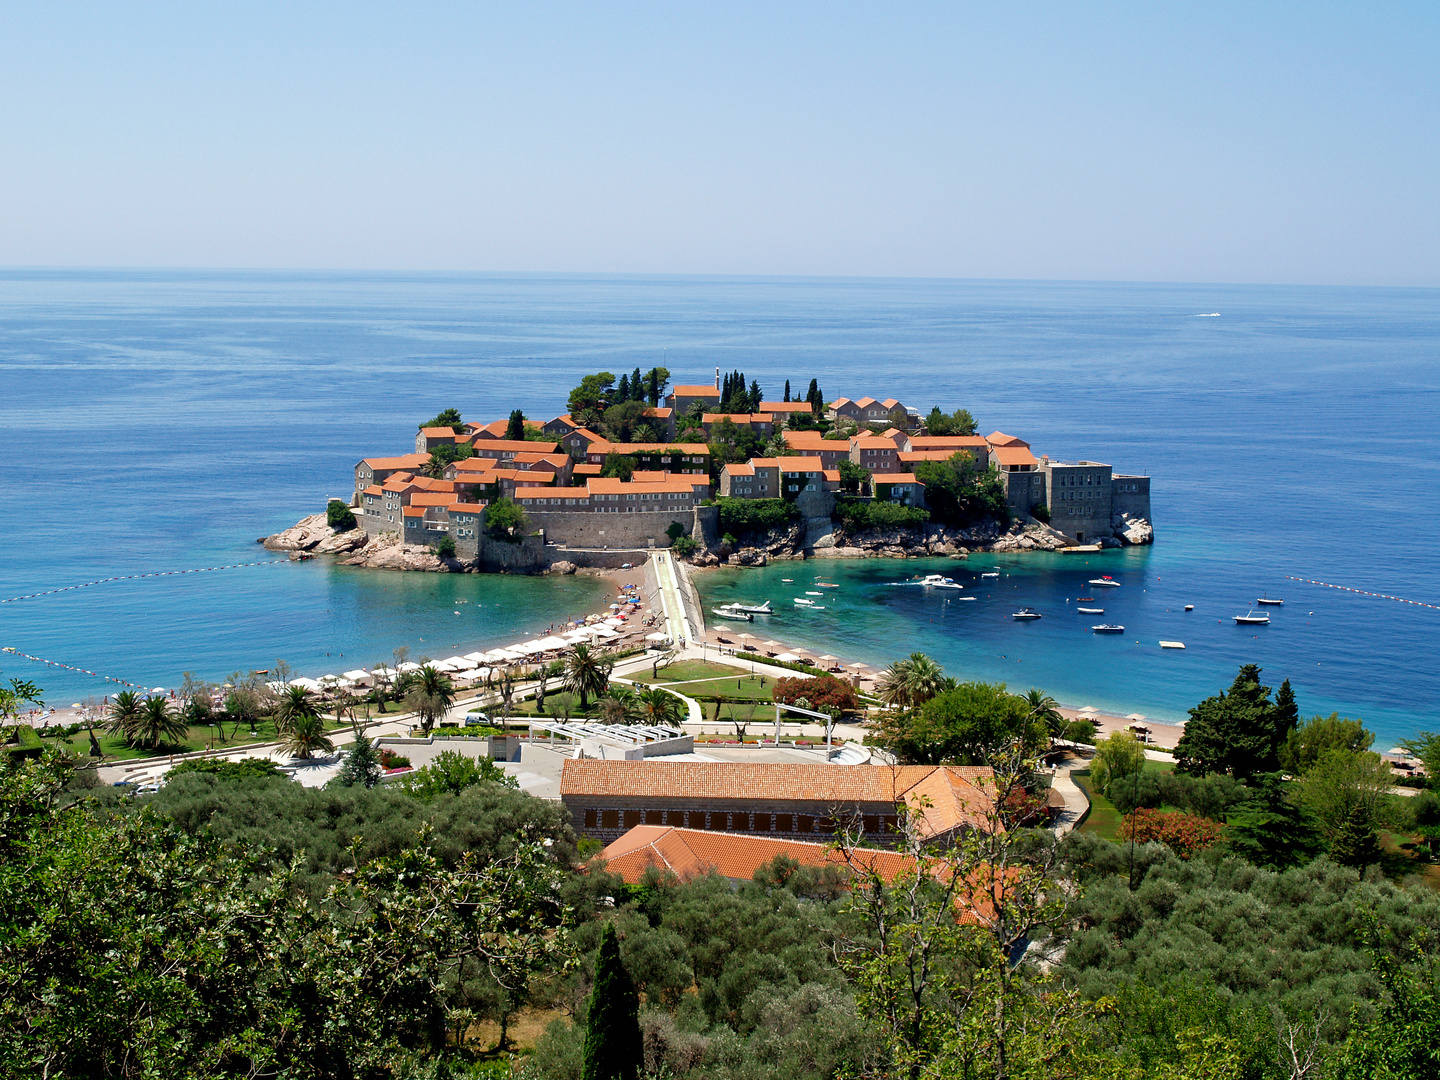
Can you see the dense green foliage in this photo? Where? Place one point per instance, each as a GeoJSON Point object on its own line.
{"type": "Point", "coordinates": [745, 516]}
{"type": "Point", "coordinates": [619, 466]}
{"type": "Point", "coordinates": [339, 517]}
{"type": "Point", "coordinates": [962, 725]}
{"type": "Point", "coordinates": [613, 1047]}
{"type": "Point", "coordinates": [1240, 732]}
{"type": "Point", "coordinates": [960, 422]}
{"type": "Point", "coordinates": [445, 418]}
{"type": "Point", "coordinates": [244, 769]}
{"type": "Point", "coordinates": [860, 514]}
{"type": "Point", "coordinates": [505, 520]}
{"type": "Point", "coordinates": [822, 693]}
{"type": "Point", "coordinates": [960, 494]}
{"type": "Point", "coordinates": [854, 479]}
{"type": "Point", "coordinates": [445, 455]}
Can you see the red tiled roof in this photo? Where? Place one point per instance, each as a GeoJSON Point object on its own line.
{"type": "Point", "coordinates": [798, 464]}
{"type": "Point", "coordinates": [429, 498]}
{"type": "Point", "coordinates": [519, 446]}
{"type": "Point", "coordinates": [785, 406]}
{"type": "Point", "coordinates": [999, 438]}
{"type": "Point", "coordinates": [466, 508]}
{"type": "Point", "coordinates": [737, 418]}
{"type": "Point", "coordinates": [659, 412]}
{"type": "Point", "coordinates": [690, 853]}
{"type": "Point", "coordinates": [705, 390]}
{"type": "Point", "coordinates": [648, 448]}
{"type": "Point", "coordinates": [413, 511]}
{"type": "Point", "coordinates": [404, 461]}
{"type": "Point", "coordinates": [736, 469]}
{"type": "Point", "coordinates": [1014, 455]}
{"type": "Point", "coordinates": [897, 478]}
{"type": "Point", "coordinates": [943, 442]}
{"type": "Point", "coordinates": [955, 802]}
{"type": "Point", "coordinates": [585, 468]}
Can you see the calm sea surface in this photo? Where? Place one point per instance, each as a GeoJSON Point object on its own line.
{"type": "Point", "coordinates": [156, 421]}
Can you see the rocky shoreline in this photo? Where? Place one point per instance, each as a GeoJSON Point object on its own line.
{"type": "Point", "coordinates": [930, 541]}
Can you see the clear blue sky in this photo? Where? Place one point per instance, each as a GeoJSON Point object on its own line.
{"type": "Point", "coordinates": [1261, 142]}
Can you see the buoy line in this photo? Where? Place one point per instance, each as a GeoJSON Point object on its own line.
{"type": "Point", "coordinates": [136, 577]}
{"type": "Point", "coordinates": [72, 667]}
{"type": "Point", "coordinates": [1365, 592]}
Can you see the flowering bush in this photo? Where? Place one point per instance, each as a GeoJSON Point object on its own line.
{"type": "Point", "coordinates": [822, 693]}
{"type": "Point", "coordinates": [1184, 834]}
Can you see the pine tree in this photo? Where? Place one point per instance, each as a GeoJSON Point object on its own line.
{"type": "Point", "coordinates": [612, 1029]}
{"type": "Point", "coordinates": [654, 387]}
{"type": "Point", "coordinates": [623, 392]}
{"type": "Point", "coordinates": [787, 390]}
{"type": "Point", "coordinates": [1355, 843]}
{"type": "Point", "coordinates": [361, 767]}
{"type": "Point", "coordinates": [754, 399]}
{"type": "Point", "coordinates": [637, 386]}
{"type": "Point", "coordinates": [515, 429]}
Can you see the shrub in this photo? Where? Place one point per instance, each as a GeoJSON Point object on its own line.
{"type": "Point", "coordinates": [339, 517]}
{"type": "Point", "coordinates": [1080, 731]}
{"type": "Point", "coordinates": [244, 769]}
{"type": "Point", "coordinates": [860, 514]}
{"type": "Point", "coordinates": [684, 546]}
{"type": "Point", "coordinates": [1184, 834]}
{"type": "Point", "coordinates": [505, 520]}
{"type": "Point", "coordinates": [755, 515]}
{"type": "Point", "coordinates": [1040, 512]}
{"type": "Point", "coordinates": [674, 531]}
{"type": "Point", "coordinates": [389, 759]}
{"type": "Point", "coordinates": [446, 548]}
{"type": "Point", "coordinates": [824, 692]}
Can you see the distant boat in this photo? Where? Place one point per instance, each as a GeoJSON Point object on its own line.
{"type": "Point", "coordinates": [1091, 610]}
{"type": "Point", "coordinates": [787, 580]}
{"type": "Point", "coordinates": [803, 602]}
{"type": "Point", "coordinates": [1025, 613]}
{"type": "Point", "coordinates": [731, 613]}
{"type": "Point", "coordinates": [939, 581]}
{"type": "Point", "coordinates": [812, 592]}
{"type": "Point", "coordinates": [1249, 618]}
{"type": "Point", "coordinates": [990, 573]}
{"type": "Point", "coordinates": [826, 585]}
{"type": "Point", "coordinates": [1189, 607]}
{"type": "Point", "coordinates": [1108, 628]}
{"type": "Point", "coordinates": [754, 609]}
{"type": "Point", "coordinates": [1106, 582]}
{"type": "Point", "coordinates": [1172, 644]}
{"type": "Point", "coordinates": [1267, 600]}
{"type": "Point", "coordinates": [1084, 599]}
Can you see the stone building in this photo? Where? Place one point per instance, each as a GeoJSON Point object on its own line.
{"type": "Point", "coordinates": [607, 798]}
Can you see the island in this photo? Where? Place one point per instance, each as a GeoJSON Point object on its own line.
{"type": "Point", "coordinates": [720, 475]}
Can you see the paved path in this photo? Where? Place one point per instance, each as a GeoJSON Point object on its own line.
{"type": "Point", "coordinates": [1075, 802]}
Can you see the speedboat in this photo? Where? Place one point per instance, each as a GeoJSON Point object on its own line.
{"type": "Point", "coordinates": [939, 581]}
{"type": "Point", "coordinates": [1189, 607]}
{"type": "Point", "coordinates": [990, 573]}
{"type": "Point", "coordinates": [1106, 582]}
{"type": "Point", "coordinates": [803, 602]}
{"type": "Point", "coordinates": [731, 613]}
{"type": "Point", "coordinates": [1025, 613]}
{"type": "Point", "coordinates": [1091, 610]}
{"type": "Point", "coordinates": [788, 580]}
{"type": "Point", "coordinates": [1085, 599]}
{"type": "Point", "coordinates": [1251, 619]}
{"type": "Point", "coordinates": [1108, 628]}
{"type": "Point", "coordinates": [826, 585]}
{"type": "Point", "coordinates": [1267, 600]}
{"type": "Point", "coordinates": [812, 592]}
{"type": "Point", "coordinates": [753, 609]}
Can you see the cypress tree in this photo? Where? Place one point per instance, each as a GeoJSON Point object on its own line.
{"type": "Point", "coordinates": [623, 392]}
{"type": "Point", "coordinates": [654, 387]}
{"type": "Point", "coordinates": [787, 390]}
{"type": "Point", "coordinates": [754, 399]}
{"type": "Point", "coordinates": [515, 429]}
{"type": "Point", "coordinates": [637, 386]}
{"type": "Point", "coordinates": [612, 1029]}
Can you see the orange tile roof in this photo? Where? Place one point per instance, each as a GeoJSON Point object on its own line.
{"type": "Point", "coordinates": [659, 412]}
{"type": "Point", "coordinates": [437, 432]}
{"type": "Point", "coordinates": [550, 493]}
{"type": "Point", "coordinates": [832, 475]}
{"type": "Point", "coordinates": [866, 402]}
{"type": "Point", "coordinates": [785, 406]}
{"type": "Point", "coordinates": [1014, 455]}
{"type": "Point", "coordinates": [870, 442]}
{"type": "Point", "coordinates": [476, 464]}
{"type": "Point", "coordinates": [897, 478]}
{"type": "Point", "coordinates": [736, 469]}
{"type": "Point", "coordinates": [705, 390]}
{"type": "Point", "coordinates": [613, 485]}
{"type": "Point", "coordinates": [839, 401]}
{"type": "Point", "coordinates": [518, 446]}
{"type": "Point", "coordinates": [737, 418]}
{"type": "Point", "coordinates": [585, 468]}
{"type": "Point", "coordinates": [999, 438]}
{"type": "Point", "coordinates": [648, 448]}
{"type": "Point", "coordinates": [466, 508]}
{"type": "Point", "coordinates": [404, 461]}
{"type": "Point", "coordinates": [942, 442]}
{"type": "Point", "coordinates": [690, 853]}
{"type": "Point", "coordinates": [428, 498]}
{"type": "Point", "coordinates": [413, 511]}
{"type": "Point", "coordinates": [798, 464]}
{"type": "Point", "coordinates": [956, 802]}
{"type": "Point", "coordinates": [426, 483]}
{"type": "Point", "coordinates": [374, 489]}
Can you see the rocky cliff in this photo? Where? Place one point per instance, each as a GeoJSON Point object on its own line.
{"type": "Point", "coordinates": [386, 552]}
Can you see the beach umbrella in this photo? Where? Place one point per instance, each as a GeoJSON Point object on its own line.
{"type": "Point", "coordinates": [357, 674]}
{"type": "Point", "coordinates": [829, 659]}
{"type": "Point", "coordinates": [606, 633]}
{"type": "Point", "coordinates": [1135, 716]}
{"type": "Point", "coordinates": [478, 657]}
{"type": "Point", "coordinates": [772, 644]}
{"type": "Point", "coordinates": [657, 636]}
{"type": "Point", "coordinates": [459, 662]}
{"type": "Point", "coordinates": [554, 643]}
{"type": "Point", "coordinates": [1087, 708]}
{"type": "Point", "coordinates": [408, 665]}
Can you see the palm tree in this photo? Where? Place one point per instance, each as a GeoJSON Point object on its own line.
{"type": "Point", "coordinates": [155, 720]}
{"type": "Point", "coordinates": [912, 681]}
{"type": "Point", "coordinates": [618, 706]}
{"type": "Point", "coordinates": [657, 707]}
{"type": "Point", "coordinates": [1046, 709]}
{"type": "Point", "coordinates": [124, 716]}
{"type": "Point", "coordinates": [295, 705]}
{"type": "Point", "coordinates": [305, 734]}
{"type": "Point", "coordinates": [431, 695]}
{"type": "Point", "coordinates": [586, 673]}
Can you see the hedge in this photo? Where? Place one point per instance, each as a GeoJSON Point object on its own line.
{"type": "Point", "coordinates": [755, 515]}
{"type": "Point", "coordinates": [859, 514]}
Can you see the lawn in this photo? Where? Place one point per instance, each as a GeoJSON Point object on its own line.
{"type": "Point", "coordinates": [1104, 820]}
{"type": "Point", "coordinates": [200, 737]}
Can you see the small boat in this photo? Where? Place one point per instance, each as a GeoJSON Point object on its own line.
{"type": "Point", "coordinates": [1189, 607]}
{"type": "Point", "coordinates": [939, 581]}
{"type": "Point", "coordinates": [1107, 628]}
{"type": "Point", "coordinates": [1251, 619]}
{"type": "Point", "coordinates": [1091, 610]}
{"type": "Point", "coordinates": [788, 580]}
{"type": "Point", "coordinates": [826, 585]}
{"type": "Point", "coordinates": [1085, 599]}
{"type": "Point", "coordinates": [1025, 613]}
{"type": "Point", "coordinates": [753, 609]}
{"type": "Point", "coordinates": [803, 602]}
{"type": "Point", "coordinates": [1106, 582]}
{"type": "Point", "coordinates": [1172, 644]}
{"type": "Point", "coordinates": [1267, 600]}
{"type": "Point", "coordinates": [812, 592]}
{"type": "Point", "coordinates": [990, 573]}
{"type": "Point", "coordinates": [731, 613]}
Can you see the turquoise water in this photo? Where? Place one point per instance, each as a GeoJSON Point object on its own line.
{"type": "Point", "coordinates": [162, 420]}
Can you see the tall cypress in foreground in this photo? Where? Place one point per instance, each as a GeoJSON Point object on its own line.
{"type": "Point", "coordinates": [612, 1029]}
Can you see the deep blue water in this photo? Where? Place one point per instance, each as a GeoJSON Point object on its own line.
{"type": "Point", "coordinates": [163, 420]}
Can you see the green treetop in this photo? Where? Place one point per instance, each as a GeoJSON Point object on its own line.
{"type": "Point", "coordinates": [612, 1029]}
{"type": "Point", "coordinates": [446, 418]}
{"type": "Point", "coordinates": [1240, 733]}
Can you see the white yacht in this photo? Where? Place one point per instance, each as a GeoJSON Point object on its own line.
{"type": "Point", "coordinates": [1025, 613]}
{"type": "Point", "coordinates": [1106, 582]}
{"type": "Point", "coordinates": [1108, 628]}
{"type": "Point", "coordinates": [939, 581]}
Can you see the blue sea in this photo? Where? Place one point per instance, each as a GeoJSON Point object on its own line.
{"type": "Point", "coordinates": [161, 421]}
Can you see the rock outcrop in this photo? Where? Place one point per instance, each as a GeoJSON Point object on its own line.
{"type": "Point", "coordinates": [1132, 530]}
{"type": "Point", "coordinates": [314, 535]}
{"type": "Point", "coordinates": [386, 552]}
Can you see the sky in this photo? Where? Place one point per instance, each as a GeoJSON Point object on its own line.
{"type": "Point", "coordinates": [1216, 142]}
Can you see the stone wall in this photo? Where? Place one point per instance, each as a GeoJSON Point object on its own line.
{"type": "Point", "coordinates": [644, 528]}
{"type": "Point", "coordinates": [608, 819]}
{"type": "Point", "coordinates": [1134, 503]}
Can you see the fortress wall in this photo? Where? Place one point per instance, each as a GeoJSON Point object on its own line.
{"type": "Point", "coordinates": [645, 528]}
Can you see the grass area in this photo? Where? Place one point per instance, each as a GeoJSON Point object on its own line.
{"type": "Point", "coordinates": [201, 737]}
{"type": "Point", "coordinates": [684, 671]}
{"type": "Point", "coordinates": [1104, 820]}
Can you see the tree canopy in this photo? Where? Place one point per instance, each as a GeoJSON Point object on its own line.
{"type": "Point", "coordinates": [958, 493]}
{"type": "Point", "coordinates": [445, 418]}
{"type": "Point", "coordinates": [1240, 732]}
{"type": "Point", "coordinates": [963, 725]}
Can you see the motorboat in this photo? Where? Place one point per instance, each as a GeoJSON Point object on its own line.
{"type": "Point", "coordinates": [788, 580]}
{"type": "Point", "coordinates": [1172, 644]}
{"type": "Point", "coordinates": [1108, 628]}
{"type": "Point", "coordinates": [731, 613]}
{"type": "Point", "coordinates": [939, 581]}
{"type": "Point", "coordinates": [812, 592]}
{"type": "Point", "coordinates": [1189, 607]}
{"type": "Point", "coordinates": [1271, 603]}
{"type": "Point", "coordinates": [1251, 619]}
{"type": "Point", "coordinates": [990, 573]}
{"type": "Point", "coordinates": [803, 602]}
{"type": "Point", "coordinates": [1106, 582]}
{"type": "Point", "coordinates": [1025, 613]}
{"type": "Point", "coordinates": [826, 585]}
{"type": "Point", "coordinates": [1085, 599]}
{"type": "Point", "coordinates": [1091, 610]}
{"type": "Point", "coordinates": [753, 609]}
